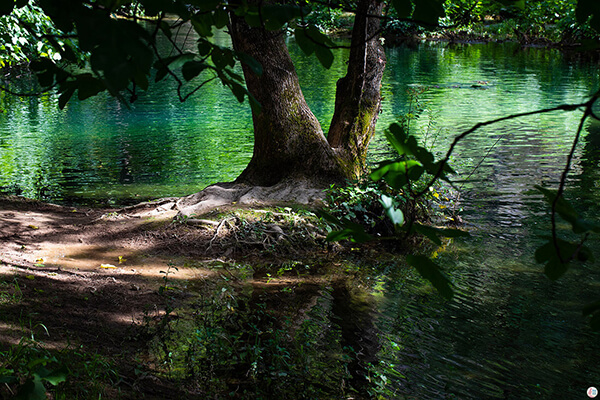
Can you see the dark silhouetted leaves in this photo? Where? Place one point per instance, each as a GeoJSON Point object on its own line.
{"type": "Point", "coordinates": [66, 95]}
{"type": "Point", "coordinates": [251, 62]}
{"type": "Point", "coordinates": [163, 65]}
{"type": "Point", "coordinates": [6, 6]}
{"type": "Point", "coordinates": [434, 234]}
{"type": "Point", "coordinates": [222, 57]}
{"type": "Point", "coordinates": [403, 8]}
{"type": "Point", "coordinates": [428, 11]}
{"type": "Point", "coordinates": [432, 272]}
{"type": "Point", "coordinates": [88, 86]}
{"type": "Point", "coordinates": [192, 69]}
{"type": "Point", "coordinates": [557, 256]}
{"type": "Point", "coordinates": [589, 10]}
{"type": "Point", "coordinates": [311, 40]}
{"type": "Point", "coordinates": [567, 212]}
{"type": "Point", "coordinates": [350, 230]}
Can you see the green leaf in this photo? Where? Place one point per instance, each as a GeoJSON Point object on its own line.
{"type": "Point", "coordinates": [358, 234]}
{"type": "Point", "coordinates": [88, 86]}
{"type": "Point", "coordinates": [427, 231]}
{"type": "Point", "coordinates": [393, 166]}
{"type": "Point", "coordinates": [254, 104]}
{"type": "Point", "coordinates": [433, 233]}
{"type": "Point", "coordinates": [65, 96]}
{"type": "Point", "coordinates": [220, 18]}
{"type": "Point", "coordinates": [222, 57]}
{"type": "Point", "coordinates": [57, 376]}
{"type": "Point", "coordinates": [32, 389]}
{"type": "Point", "coordinates": [325, 56]}
{"type": "Point", "coordinates": [568, 212]}
{"type": "Point", "coordinates": [42, 64]}
{"type": "Point", "coordinates": [563, 208]}
{"type": "Point", "coordinates": [394, 214]}
{"type": "Point", "coordinates": [204, 47]}
{"type": "Point", "coordinates": [337, 236]}
{"type": "Point", "coordinates": [397, 136]}
{"type": "Point", "coordinates": [165, 28]}
{"type": "Point", "coordinates": [192, 69]}
{"type": "Point", "coordinates": [252, 16]}
{"type": "Point", "coordinates": [275, 16]}
{"type": "Point", "coordinates": [141, 80]}
{"type": "Point", "coordinates": [163, 65]}
{"type": "Point", "coordinates": [330, 218]}
{"type": "Point", "coordinates": [586, 9]}
{"type": "Point", "coordinates": [432, 272]}
{"type": "Point", "coordinates": [305, 44]}
{"type": "Point", "coordinates": [557, 266]}
{"type": "Point", "coordinates": [207, 5]}
{"type": "Point", "coordinates": [350, 230]}
{"type": "Point", "coordinates": [251, 62]}
{"type": "Point", "coordinates": [554, 268]}
{"type": "Point", "coordinates": [152, 7]}
{"type": "Point", "coordinates": [239, 91]}
{"type": "Point", "coordinates": [202, 24]}
{"type": "Point", "coordinates": [234, 76]}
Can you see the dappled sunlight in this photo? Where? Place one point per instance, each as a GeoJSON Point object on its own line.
{"type": "Point", "coordinates": [115, 261]}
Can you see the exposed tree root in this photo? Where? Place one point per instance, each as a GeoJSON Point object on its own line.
{"type": "Point", "coordinates": [225, 195]}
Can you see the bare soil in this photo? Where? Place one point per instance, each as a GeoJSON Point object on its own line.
{"type": "Point", "coordinates": [88, 276]}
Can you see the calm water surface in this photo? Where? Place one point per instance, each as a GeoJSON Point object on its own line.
{"type": "Point", "coordinates": [510, 333]}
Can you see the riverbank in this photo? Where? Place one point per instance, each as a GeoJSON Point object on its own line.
{"type": "Point", "coordinates": [110, 299]}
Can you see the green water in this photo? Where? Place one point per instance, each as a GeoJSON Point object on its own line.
{"type": "Point", "coordinates": [510, 333]}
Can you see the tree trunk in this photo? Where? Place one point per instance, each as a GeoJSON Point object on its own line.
{"type": "Point", "coordinates": [288, 139]}
{"type": "Point", "coordinates": [358, 95]}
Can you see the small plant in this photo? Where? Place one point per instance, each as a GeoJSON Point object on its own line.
{"type": "Point", "coordinates": [30, 371]}
{"type": "Point", "coordinates": [408, 178]}
{"type": "Point", "coordinates": [162, 290]}
{"type": "Point", "coordinates": [32, 365]}
{"type": "Point", "coordinates": [12, 293]}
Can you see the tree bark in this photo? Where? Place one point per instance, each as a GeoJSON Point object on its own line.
{"type": "Point", "coordinates": [358, 94]}
{"type": "Point", "coordinates": [288, 140]}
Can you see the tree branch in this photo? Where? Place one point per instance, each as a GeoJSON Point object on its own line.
{"type": "Point", "coordinates": [457, 139]}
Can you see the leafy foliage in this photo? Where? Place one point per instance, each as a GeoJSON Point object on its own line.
{"type": "Point", "coordinates": [232, 341]}
{"type": "Point", "coordinates": [30, 371]}
{"type": "Point", "coordinates": [564, 21]}
{"type": "Point", "coordinates": [27, 34]}
{"type": "Point", "coordinates": [405, 178]}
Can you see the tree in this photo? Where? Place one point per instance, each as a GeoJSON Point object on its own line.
{"type": "Point", "coordinates": [289, 142]}
{"type": "Point", "coordinates": [122, 54]}
{"type": "Point", "coordinates": [290, 146]}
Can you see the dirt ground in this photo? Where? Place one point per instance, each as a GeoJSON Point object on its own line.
{"type": "Point", "coordinates": [87, 276]}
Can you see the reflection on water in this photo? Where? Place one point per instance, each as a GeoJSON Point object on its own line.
{"type": "Point", "coordinates": [510, 333]}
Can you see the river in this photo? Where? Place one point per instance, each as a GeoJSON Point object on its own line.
{"type": "Point", "coordinates": [510, 332]}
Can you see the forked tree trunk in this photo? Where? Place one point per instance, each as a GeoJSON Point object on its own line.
{"type": "Point", "coordinates": [358, 95]}
{"type": "Point", "coordinates": [288, 140]}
